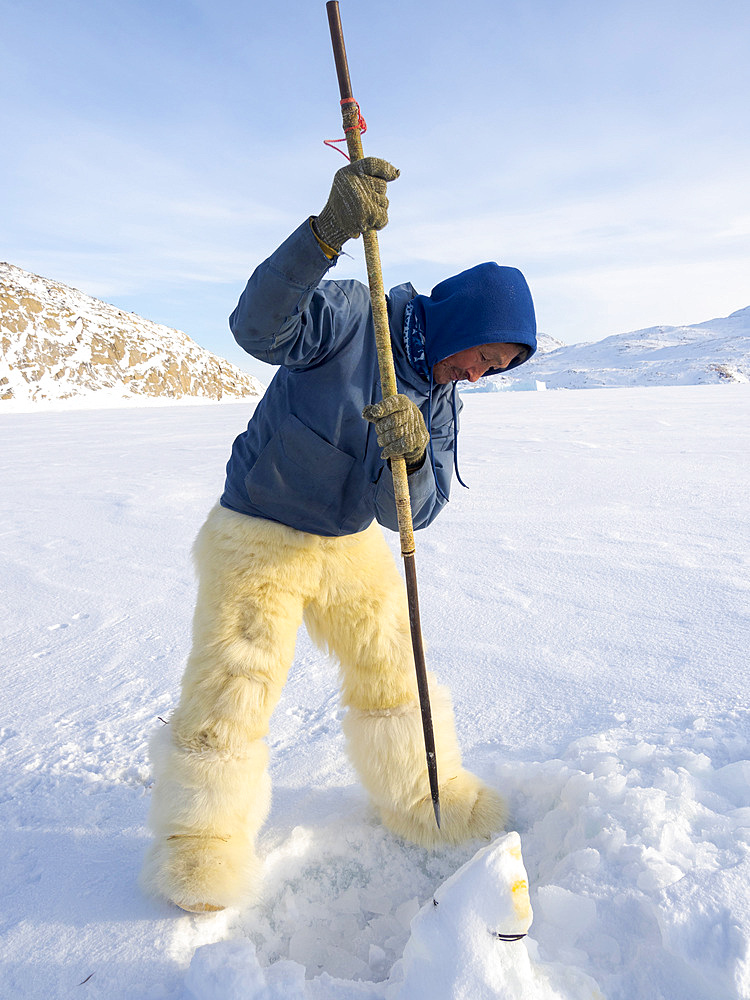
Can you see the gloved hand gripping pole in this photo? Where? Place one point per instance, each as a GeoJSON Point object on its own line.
{"type": "Point", "coordinates": [351, 119]}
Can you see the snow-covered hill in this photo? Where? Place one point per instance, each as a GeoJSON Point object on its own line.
{"type": "Point", "coordinates": [713, 352]}
{"type": "Point", "coordinates": [59, 344]}
{"type": "Point", "coordinates": [546, 344]}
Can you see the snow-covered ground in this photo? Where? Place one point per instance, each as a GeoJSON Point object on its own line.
{"type": "Point", "coordinates": [588, 602]}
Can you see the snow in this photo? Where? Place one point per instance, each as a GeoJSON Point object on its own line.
{"type": "Point", "coordinates": [712, 352]}
{"type": "Point", "coordinates": [588, 603]}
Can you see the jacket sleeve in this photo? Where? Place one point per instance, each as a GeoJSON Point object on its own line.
{"type": "Point", "coordinates": [285, 316]}
{"type": "Point", "coordinates": [426, 499]}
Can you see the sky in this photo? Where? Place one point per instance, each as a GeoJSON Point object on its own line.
{"type": "Point", "coordinates": [156, 151]}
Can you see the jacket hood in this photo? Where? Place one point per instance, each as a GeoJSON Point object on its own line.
{"type": "Point", "coordinates": [488, 304]}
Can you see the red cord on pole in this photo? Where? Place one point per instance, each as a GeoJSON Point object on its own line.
{"type": "Point", "coordinates": [361, 125]}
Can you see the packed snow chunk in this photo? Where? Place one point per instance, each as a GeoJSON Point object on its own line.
{"type": "Point", "coordinates": [571, 914]}
{"type": "Point", "coordinates": [705, 922]}
{"type": "Point", "coordinates": [407, 911]}
{"type": "Point", "coordinates": [226, 970]}
{"type": "Point", "coordinates": [466, 943]}
{"type": "Point", "coordinates": [733, 782]}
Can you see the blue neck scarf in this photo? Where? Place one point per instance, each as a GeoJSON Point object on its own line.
{"type": "Point", "coordinates": [414, 318]}
{"type": "Point", "coordinates": [414, 337]}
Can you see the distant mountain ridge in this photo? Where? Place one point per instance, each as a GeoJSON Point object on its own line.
{"type": "Point", "coordinates": [60, 344]}
{"type": "Point", "coordinates": [715, 351]}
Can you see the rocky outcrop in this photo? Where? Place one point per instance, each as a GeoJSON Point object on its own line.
{"type": "Point", "coordinates": [58, 343]}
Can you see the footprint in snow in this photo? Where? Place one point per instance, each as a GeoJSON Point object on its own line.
{"type": "Point", "coordinates": [79, 616]}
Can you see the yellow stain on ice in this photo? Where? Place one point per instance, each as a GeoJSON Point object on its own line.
{"type": "Point", "coordinates": [520, 895]}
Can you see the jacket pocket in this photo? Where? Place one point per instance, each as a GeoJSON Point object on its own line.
{"type": "Point", "coordinates": [300, 480]}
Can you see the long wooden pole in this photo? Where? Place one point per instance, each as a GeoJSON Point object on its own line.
{"type": "Point", "coordinates": [351, 120]}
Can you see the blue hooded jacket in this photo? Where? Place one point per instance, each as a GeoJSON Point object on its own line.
{"type": "Point", "coordinates": [308, 459]}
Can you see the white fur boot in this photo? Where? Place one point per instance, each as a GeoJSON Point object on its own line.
{"type": "Point", "coordinates": [209, 808]}
{"type": "Point", "coordinates": [387, 749]}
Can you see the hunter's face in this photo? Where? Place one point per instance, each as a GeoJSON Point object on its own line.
{"type": "Point", "coordinates": [474, 362]}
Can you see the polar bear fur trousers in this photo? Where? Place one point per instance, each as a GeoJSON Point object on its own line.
{"type": "Point", "coordinates": [257, 580]}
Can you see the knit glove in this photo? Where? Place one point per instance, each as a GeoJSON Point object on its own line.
{"type": "Point", "coordinates": [400, 428]}
{"type": "Point", "coordinates": [357, 201]}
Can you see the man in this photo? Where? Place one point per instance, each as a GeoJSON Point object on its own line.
{"type": "Point", "coordinates": [294, 536]}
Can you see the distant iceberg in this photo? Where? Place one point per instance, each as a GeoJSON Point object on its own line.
{"type": "Point", "coordinates": [496, 384]}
